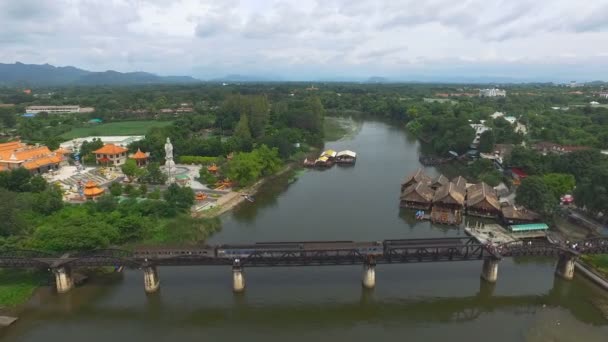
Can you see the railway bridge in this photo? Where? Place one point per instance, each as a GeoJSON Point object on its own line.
{"type": "Point", "coordinates": [308, 253]}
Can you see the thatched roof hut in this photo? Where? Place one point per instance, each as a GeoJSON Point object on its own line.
{"type": "Point", "coordinates": [439, 181]}
{"type": "Point", "coordinates": [449, 195]}
{"type": "Point", "coordinates": [514, 215]}
{"type": "Point", "coordinates": [418, 195]}
{"type": "Point", "coordinates": [416, 177]}
{"type": "Point", "coordinates": [460, 182]}
{"type": "Point", "coordinates": [482, 200]}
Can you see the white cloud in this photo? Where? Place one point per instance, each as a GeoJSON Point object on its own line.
{"type": "Point", "coordinates": [317, 38]}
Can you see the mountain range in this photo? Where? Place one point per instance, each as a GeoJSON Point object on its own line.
{"type": "Point", "coordinates": [24, 75]}
{"type": "Point", "coordinates": [47, 75]}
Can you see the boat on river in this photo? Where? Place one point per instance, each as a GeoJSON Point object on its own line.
{"type": "Point", "coordinates": [346, 157]}
{"type": "Point", "coordinates": [249, 198]}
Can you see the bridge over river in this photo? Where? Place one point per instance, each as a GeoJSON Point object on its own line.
{"type": "Point", "coordinates": [306, 253]}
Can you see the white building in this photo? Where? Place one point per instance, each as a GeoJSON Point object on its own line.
{"type": "Point", "coordinates": [603, 95]}
{"type": "Point", "coordinates": [58, 109]}
{"type": "Point", "coordinates": [497, 115]}
{"type": "Point", "coordinates": [594, 103]}
{"type": "Point", "coordinates": [118, 140]}
{"type": "Point", "coordinates": [494, 92]}
{"type": "Point", "coordinates": [479, 129]}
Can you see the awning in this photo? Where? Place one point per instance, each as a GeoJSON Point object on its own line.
{"type": "Point", "coordinates": [348, 153]}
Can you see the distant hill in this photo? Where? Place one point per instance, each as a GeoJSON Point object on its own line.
{"type": "Point", "coordinates": [48, 75]}
{"type": "Point", "coordinates": [377, 79]}
{"type": "Point", "coordinates": [236, 78]}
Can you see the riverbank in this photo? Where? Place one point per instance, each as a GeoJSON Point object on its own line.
{"type": "Point", "coordinates": [17, 287]}
{"type": "Point", "coordinates": [232, 199]}
{"type": "Point", "coordinates": [598, 275]}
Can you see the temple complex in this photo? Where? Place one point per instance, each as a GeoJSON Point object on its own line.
{"type": "Point", "coordinates": [35, 158]}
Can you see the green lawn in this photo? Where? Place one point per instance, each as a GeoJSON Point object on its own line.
{"type": "Point", "coordinates": [115, 128]}
{"type": "Point", "coordinates": [17, 286]}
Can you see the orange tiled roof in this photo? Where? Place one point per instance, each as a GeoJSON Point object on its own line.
{"type": "Point", "coordinates": [11, 145]}
{"type": "Point", "coordinates": [139, 155]}
{"type": "Point", "coordinates": [110, 149]}
{"type": "Point", "coordinates": [26, 153]}
{"type": "Point", "coordinates": [36, 163]}
{"type": "Point", "coordinates": [94, 191]}
{"type": "Point", "coordinates": [90, 184]}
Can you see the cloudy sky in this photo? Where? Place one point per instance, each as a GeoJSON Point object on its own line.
{"type": "Point", "coordinates": [313, 39]}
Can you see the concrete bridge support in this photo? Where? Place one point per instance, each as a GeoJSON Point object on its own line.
{"type": "Point", "coordinates": [489, 272]}
{"type": "Point", "coordinates": [238, 278]}
{"type": "Point", "coordinates": [151, 280]}
{"type": "Point", "coordinates": [565, 266]}
{"type": "Point", "coordinates": [63, 279]}
{"type": "Point", "coordinates": [369, 275]}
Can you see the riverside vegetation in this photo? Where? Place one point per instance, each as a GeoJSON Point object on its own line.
{"type": "Point", "coordinates": [265, 125]}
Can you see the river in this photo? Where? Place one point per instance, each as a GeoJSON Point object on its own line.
{"type": "Point", "coordinates": [417, 302]}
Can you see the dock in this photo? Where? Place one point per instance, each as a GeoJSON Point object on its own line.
{"type": "Point", "coordinates": [493, 234]}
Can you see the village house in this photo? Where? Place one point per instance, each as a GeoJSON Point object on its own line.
{"type": "Point", "coordinates": [514, 215]}
{"type": "Point", "coordinates": [460, 182]}
{"type": "Point", "coordinates": [482, 201]}
{"type": "Point", "coordinates": [439, 181]}
{"type": "Point", "coordinates": [417, 196]}
{"type": "Point", "coordinates": [417, 177]}
{"type": "Point", "coordinates": [36, 159]}
{"type": "Point", "coordinates": [111, 154]}
{"type": "Point", "coordinates": [448, 203]}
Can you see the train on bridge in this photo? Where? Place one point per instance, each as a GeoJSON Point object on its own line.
{"type": "Point", "coordinates": [375, 249]}
{"type": "Point", "coordinates": [303, 253]}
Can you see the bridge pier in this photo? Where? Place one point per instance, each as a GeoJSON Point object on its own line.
{"type": "Point", "coordinates": [63, 279]}
{"type": "Point", "coordinates": [489, 271]}
{"type": "Point", "coordinates": [565, 266]}
{"type": "Point", "coordinates": [238, 278]}
{"type": "Point", "coordinates": [369, 275]}
{"type": "Point", "coordinates": [151, 280]}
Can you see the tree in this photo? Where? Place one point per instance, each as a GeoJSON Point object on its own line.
{"type": "Point", "coordinates": [244, 168]}
{"type": "Point", "coordinates": [592, 191]}
{"type": "Point", "coordinates": [259, 114]}
{"type": "Point", "coordinates": [11, 221]}
{"type": "Point", "coordinates": [559, 183]}
{"type": "Point", "coordinates": [153, 174]}
{"type": "Point", "coordinates": [52, 143]}
{"type": "Point", "coordinates": [486, 142]}
{"type": "Point", "coordinates": [268, 159]}
{"type": "Point", "coordinates": [242, 134]}
{"type": "Point", "coordinates": [180, 198]}
{"type": "Point", "coordinates": [48, 201]}
{"type": "Point", "coordinates": [18, 180]}
{"type": "Point", "coordinates": [73, 229]}
{"type": "Point", "coordinates": [535, 195]}
{"type": "Point", "coordinates": [106, 203]}
{"type": "Point", "coordinates": [38, 184]}
{"type": "Point", "coordinates": [143, 189]}
{"type": "Point", "coordinates": [492, 178]}
{"type": "Point", "coordinates": [116, 189]}
{"type": "Point", "coordinates": [207, 177]}
{"type": "Point", "coordinates": [131, 170]}
{"type": "Point", "coordinates": [7, 117]}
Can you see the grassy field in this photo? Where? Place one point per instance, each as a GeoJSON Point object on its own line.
{"type": "Point", "coordinates": [599, 262]}
{"type": "Point", "coordinates": [115, 128]}
{"type": "Point", "coordinates": [17, 286]}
